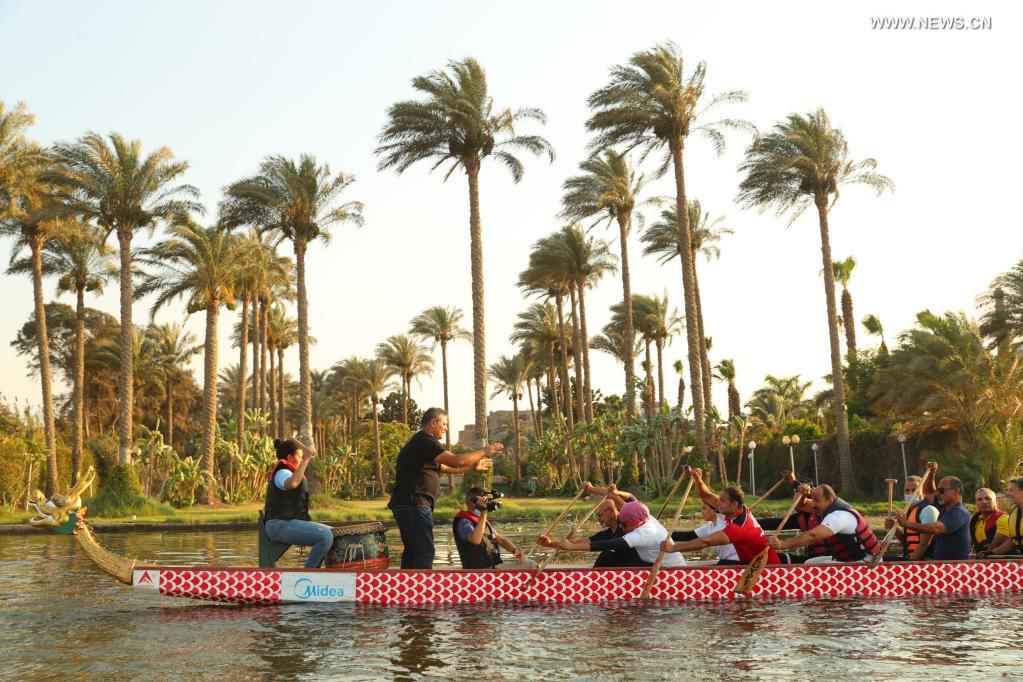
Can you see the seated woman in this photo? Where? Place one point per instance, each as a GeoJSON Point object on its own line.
{"type": "Point", "coordinates": [287, 503]}
{"type": "Point", "coordinates": [642, 532]}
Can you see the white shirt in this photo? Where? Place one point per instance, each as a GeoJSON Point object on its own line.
{"type": "Point", "coordinates": [723, 551]}
{"type": "Point", "coordinates": [840, 522]}
{"type": "Point", "coordinates": [281, 477]}
{"type": "Point", "coordinates": [646, 540]}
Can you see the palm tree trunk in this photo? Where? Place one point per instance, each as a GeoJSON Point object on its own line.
{"type": "Point", "coordinates": [264, 323]}
{"type": "Point", "coordinates": [447, 434]}
{"type": "Point", "coordinates": [479, 338]}
{"type": "Point", "coordinates": [254, 402]}
{"type": "Point", "coordinates": [376, 441]}
{"type": "Point", "coordinates": [242, 372]}
{"type": "Point", "coordinates": [518, 442]}
{"type": "Point", "coordinates": [850, 334]}
{"type": "Point", "coordinates": [271, 388]}
{"type": "Point", "coordinates": [552, 387]}
{"type": "Point", "coordinates": [532, 407]}
{"type": "Point", "coordinates": [704, 357]}
{"type": "Point", "coordinates": [648, 394]}
{"type": "Point", "coordinates": [630, 361]}
{"type": "Point", "coordinates": [282, 432]}
{"type": "Point", "coordinates": [169, 383]}
{"type": "Point", "coordinates": [587, 389]}
{"type": "Point", "coordinates": [405, 388]}
{"type": "Point", "coordinates": [209, 403]}
{"type": "Point", "coordinates": [304, 379]}
{"type": "Point", "coordinates": [125, 384]}
{"type": "Point", "coordinates": [689, 292]}
{"type": "Point", "coordinates": [838, 401]}
{"type": "Point", "coordinates": [681, 390]}
{"type": "Point", "coordinates": [660, 374]}
{"type": "Point", "coordinates": [565, 387]}
{"type": "Point", "coordinates": [43, 347]}
{"type": "Point", "coordinates": [577, 352]}
{"type": "Point", "coordinates": [78, 446]}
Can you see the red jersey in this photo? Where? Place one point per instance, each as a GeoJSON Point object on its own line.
{"type": "Point", "coordinates": [748, 537]}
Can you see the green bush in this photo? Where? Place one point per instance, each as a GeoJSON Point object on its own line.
{"type": "Point", "coordinates": [121, 495]}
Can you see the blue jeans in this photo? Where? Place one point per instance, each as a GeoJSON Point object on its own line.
{"type": "Point", "coordinates": [316, 536]}
{"type": "Point", "coordinates": [415, 523]}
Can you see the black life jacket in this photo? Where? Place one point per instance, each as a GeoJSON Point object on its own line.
{"type": "Point", "coordinates": [911, 538]}
{"type": "Point", "coordinates": [1016, 529]}
{"type": "Point", "coordinates": [808, 521]}
{"type": "Point", "coordinates": [990, 529]}
{"type": "Point", "coordinates": [484, 555]}
{"type": "Point", "coordinates": [286, 505]}
{"type": "Point", "coordinates": [851, 546]}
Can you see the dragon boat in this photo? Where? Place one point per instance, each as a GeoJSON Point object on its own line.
{"type": "Point", "coordinates": [368, 580]}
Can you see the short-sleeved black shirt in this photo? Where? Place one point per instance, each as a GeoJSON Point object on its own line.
{"type": "Point", "coordinates": [417, 475]}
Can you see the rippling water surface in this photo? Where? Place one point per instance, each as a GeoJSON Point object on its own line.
{"type": "Point", "coordinates": [60, 618]}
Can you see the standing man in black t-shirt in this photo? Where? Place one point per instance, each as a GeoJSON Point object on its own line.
{"type": "Point", "coordinates": [420, 463]}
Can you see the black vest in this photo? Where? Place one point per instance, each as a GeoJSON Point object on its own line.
{"type": "Point", "coordinates": [484, 555]}
{"type": "Point", "coordinates": [286, 504]}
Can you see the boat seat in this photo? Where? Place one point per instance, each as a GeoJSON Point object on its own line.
{"type": "Point", "coordinates": [269, 551]}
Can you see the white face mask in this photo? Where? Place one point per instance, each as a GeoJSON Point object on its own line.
{"type": "Point", "coordinates": [910, 497]}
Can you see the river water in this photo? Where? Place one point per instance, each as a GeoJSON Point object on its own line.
{"type": "Point", "coordinates": [61, 618]}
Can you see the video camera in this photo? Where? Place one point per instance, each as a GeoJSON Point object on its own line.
{"type": "Point", "coordinates": [491, 496]}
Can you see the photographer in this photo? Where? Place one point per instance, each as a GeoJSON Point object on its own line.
{"type": "Point", "coordinates": [479, 545]}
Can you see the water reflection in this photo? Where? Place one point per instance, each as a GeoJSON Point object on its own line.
{"type": "Point", "coordinates": [59, 617]}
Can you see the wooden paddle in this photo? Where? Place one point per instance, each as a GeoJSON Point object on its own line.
{"type": "Point", "coordinates": [768, 493]}
{"type": "Point", "coordinates": [749, 577]}
{"type": "Point", "coordinates": [571, 534]}
{"type": "Point", "coordinates": [891, 487]}
{"type": "Point", "coordinates": [674, 524]}
{"type": "Point", "coordinates": [674, 489]}
{"type": "Point", "coordinates": [890, 537]}
{"type": "Point", "coordinates": [557, 521]}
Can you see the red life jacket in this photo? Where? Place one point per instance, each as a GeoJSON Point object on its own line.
{"type": "Point", "coordinates": [851, 546]}
{"type": "Point", "coordinates": [808, 521]}
{"type": "Point", "coordinates": [990, 524]}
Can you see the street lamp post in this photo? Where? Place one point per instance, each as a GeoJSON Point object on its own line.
{"type": "Point", "coordinates": [902, 445]}
{"type": "Point", "coordinates": [752, 467]}
{"type": "Point", "coordinates": [816, 480]}
{"type": "Point", "coordinates": [790, 441]}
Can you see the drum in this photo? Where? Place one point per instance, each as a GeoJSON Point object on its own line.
{"type": "Point", "coordinates": [359, 546]}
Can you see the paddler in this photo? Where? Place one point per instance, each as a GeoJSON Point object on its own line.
{"type": "Point", "coordinates": [988, 521]}
{"type": "Point", "coordinates": [1009, 538]}
{"type": "Point", "coordinates": [846, 532]}
{"type": "Point", "coordinates": [286, 510]}
{"type": "Point", "coordinates": [952, 529]}
{"type": "Point", "coordinates": [916, 545]}
{"type": "Point", "coordinates": [642, 532]}
{"type": "Point", "coordinates": [741, 529]}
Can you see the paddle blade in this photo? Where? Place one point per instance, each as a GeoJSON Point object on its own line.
{"type": "Point", "coordinates": [749, 577]}
{"type": "Point", "coordinates": [882, 550]}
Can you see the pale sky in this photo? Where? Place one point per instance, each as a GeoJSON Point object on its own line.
{"type": "Point", "coordinates": [225, 84]}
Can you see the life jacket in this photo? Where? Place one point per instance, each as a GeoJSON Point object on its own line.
{"type": "Point", "coordinates": [1015, 530]}
{"type": "Point", "coordinates": [484, 555]}
{"type": "Point", "coordinates": [808, 521]}
{"type": "Point", "coordinates": [286, 505]}
{"type": "Point", "coordinates": [851, 546]}
{"type": "Point", "coordinates": [990, 526]}
{"type": "Point", "coordinates": [911, 538]}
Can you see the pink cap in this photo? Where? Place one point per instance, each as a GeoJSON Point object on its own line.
{"type": "Point", "coordinates": [633, 513]}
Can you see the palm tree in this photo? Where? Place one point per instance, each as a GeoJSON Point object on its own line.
{"type": "Point", "coordinates": [538, 327]}
{"type": "Point", "coordinates": [585, 260]}
{"type": "Point", "coordinates": [644, 320]}
{"type": "Point", "coordinates": [124, 192]}
{"type": "Point", "coordinates": [661, 240]}
{"type": "Point", "coordinates": [30, 218]}
{"type": "Point", "coordinates": [803, 161]}
{"type": "Point", "coordinates": [175, 347]}
{"type": "Point", "coordinates": [651, 104]}
{"type": "Point", "coordinates": [725, 371]}
{"type": "Point", "coordinates": [407, 359]}
{"type": "Point", "coordinates": [81, 262]}
{"type": "Point", "coordinates": [608, 187]}
{"type": "Point", "coordinates": [297, 201]}
{"type": "Point", "coordinates": [441, 325]}
{"type": "Point", "coordinates": [202, 265]}
{"type": "Point", "coordinates": [614, 339]}
{"type": "Point", "coordinates": [872, 323]}
{"type": "Point", "coordinates": [282, 331]}
{"type": "Point", "coordinates": [665, 324]}
{"type": "Point", "coordinates": [509, 374]}
{"type": "Point", "coordinates": [456, 123]}
{"type": "Point", "coordinates": [677, 366]}
{"type": "Point", "coordinates": [779, 400]}
{"type": "Point", "coordinates": [843, 270]}
{"type": "Point", "coordinates": [19, 156]}
{"type": "Point", "coordinates": [375, 380]}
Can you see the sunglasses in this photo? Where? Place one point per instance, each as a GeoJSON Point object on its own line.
{"type": "Point", "coordinates": [942, 491]}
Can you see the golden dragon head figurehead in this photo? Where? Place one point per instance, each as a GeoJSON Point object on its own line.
{"type": "Point", "coordinates": [59, 512]}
